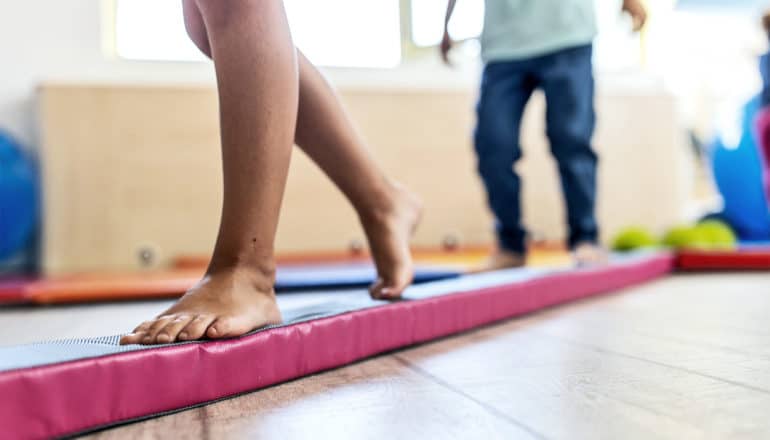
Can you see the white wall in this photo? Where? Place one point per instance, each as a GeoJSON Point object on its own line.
{"type": "Point", "coordinates": [61, 40]}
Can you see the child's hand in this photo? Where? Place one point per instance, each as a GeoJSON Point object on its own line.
{"type": "Point", "coordinates": [637, 12]}
{"type": "Point", "coordinates": [446, 46]}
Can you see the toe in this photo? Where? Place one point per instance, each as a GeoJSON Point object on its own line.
{"type": "Point", "coordinates": [375, 290]}
{"type": "Point", "coordinates": [391, 287]}
{"type": "Point", "coordinates": [155, 328]}
{"type": "Point", "coordinates": [131, 338]}
{"type": "Point", "coordinates": [170, 332]}
{"type": "Point", "coordinates": [221, 328]}
{"type": "Point", "coordinates": [136, 336]}
{"type": "Point", "coordinates": [196, 328]}
{"type": "Point", "coordinates": [143, 327]}
{"type": "Point", "coordinates": [384, 291]}
{"type": "Point", "coordinates": [394, 289]}
{"type": "Point", "coordinates": [238, 325]}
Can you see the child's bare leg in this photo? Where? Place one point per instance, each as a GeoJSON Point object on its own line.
{"type": "Point", "coordinates": [387, 211]}
{"type": "Point", "coordinates": [257, 79]}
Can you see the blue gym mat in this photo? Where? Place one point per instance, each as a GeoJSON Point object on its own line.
{"type": "Point", "coordinates": [293, 278]}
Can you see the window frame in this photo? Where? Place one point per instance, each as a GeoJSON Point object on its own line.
{"type": "Point", "coordinates": [413, 56]}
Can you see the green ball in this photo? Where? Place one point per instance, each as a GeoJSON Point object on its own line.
{"type": "Point", "coordinates": [717, 234]}
{"type": "Point", "coordinates": [633, 238]}
{"type": "Point", "coordinates": [685, 237]}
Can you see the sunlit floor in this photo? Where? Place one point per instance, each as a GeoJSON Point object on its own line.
{"type": "Point", "coordinates": [684, 357]}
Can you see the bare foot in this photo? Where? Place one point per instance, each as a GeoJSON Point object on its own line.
{"type": "Point", "coordinates": [388, 230]}
{"type": "Point", "coordinates": [500, 260]}
{"type": "Point", "coordinates": [589, 254]}
{"type": "Point", "coordinates": [226, 304]}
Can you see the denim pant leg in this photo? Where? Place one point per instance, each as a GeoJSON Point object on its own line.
{"type": "Point", "coordinates": [567, 80]}
{"type": "Point", "coordinates": [505, 90]}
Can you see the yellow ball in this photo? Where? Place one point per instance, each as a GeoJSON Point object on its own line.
{"type": "Point", "coordinates": [633, 238]}
{"type": "Point", "coordinates": [717, 234]}
{"type": "Point", "coordinates": [684, 237]}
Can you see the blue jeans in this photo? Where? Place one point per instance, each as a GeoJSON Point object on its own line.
{"type": "Point", "coordinates": [566, 77]}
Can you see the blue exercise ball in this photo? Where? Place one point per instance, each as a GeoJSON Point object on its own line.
{"type": "Point", "coordinates": [738, 174]}
{"type": "Point", "coordinates": [18, 197]}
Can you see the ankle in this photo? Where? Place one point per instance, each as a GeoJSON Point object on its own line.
{"type": "Point", "coordinates": [379, 205]}
{"type": "Point", "coordinates": [586, 244]}
{"type": "Point", "coordinates": [261, 275]}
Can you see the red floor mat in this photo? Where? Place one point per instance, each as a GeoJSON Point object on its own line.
{"type": "Point", "coordinates": [742, 259]}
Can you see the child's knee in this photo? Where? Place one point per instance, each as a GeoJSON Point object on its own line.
{"type": "Point", "coordinates": [494, 137]}
{"type": "Point", "coordinates": [571, 136]}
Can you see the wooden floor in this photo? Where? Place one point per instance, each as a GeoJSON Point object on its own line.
{"type": "Point", "coordinates": [684, 357]}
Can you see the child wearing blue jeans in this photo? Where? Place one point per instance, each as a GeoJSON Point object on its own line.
{"type": "Point", "coordinates": [526, 45]}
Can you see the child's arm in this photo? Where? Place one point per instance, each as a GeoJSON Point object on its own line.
{"type": "Point", "coordinates": [766, 23]}
{"type": "Point", "coordinates": [446, 41]}
{"type": "Point", "coordinates": [637, 11]}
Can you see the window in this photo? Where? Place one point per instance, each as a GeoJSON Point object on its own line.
{"type": "Point", "coordinates": [354, 33]}
{"type": "Point", "coordinates": [721, 4]}
{"type": "Point", "coordinates": [717, 54]}
{"type": "Point", "coordinates": [347, 33]}
{"type": "Point", "coordinates": [428, 24]}
{"type": "Point", "coordinates": [154, 30]}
